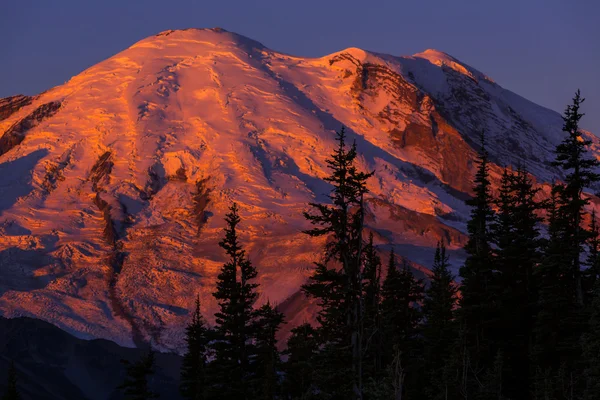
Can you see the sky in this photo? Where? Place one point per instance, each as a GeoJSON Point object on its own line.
{"type": "Point", "coordinates": [541, 49]}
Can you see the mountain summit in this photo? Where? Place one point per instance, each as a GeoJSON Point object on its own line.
{"type": "Point", "coordinates": [114, 185]}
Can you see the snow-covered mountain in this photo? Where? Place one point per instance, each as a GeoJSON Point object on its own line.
{"type": "Point", "coordinates": [114, 185]}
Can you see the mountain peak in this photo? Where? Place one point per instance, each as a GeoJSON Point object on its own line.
{"type": "Point", "coordinates": [216, 29]}
{"type": "Point", "coordinates": [213, 36]}
{"type": "Point", "coordinates": [442, 59]}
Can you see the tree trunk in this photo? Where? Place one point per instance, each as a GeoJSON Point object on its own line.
{"type": "Point", "coordinates": [398, 375]}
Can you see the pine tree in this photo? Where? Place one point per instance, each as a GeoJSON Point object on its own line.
{"type": "Point", "coordinates": [193, 367]}
{"type": "Point", "coordinates": [267, 364]}
{"type": "Point", "coordinates": [401, 317]}
{"type": "Point", "coordinates": [135, 386]}
{"type": "Point", "coordinates": [11, 393]}
{"type": "Point", "coordinates": [333, 363]}
{"type": "Point", "coordinates": [341, 287]}
{"type": "Point", "coordinates": [400, 292]}
{"type": "Point", "coordinates": [592, 274]}
{"type": "Point", "coordinates": [517, 239]}
{"type": "Point", "coordinates": [561, 319]}
{"type": "Point", "coordinates": [477, 304]}
{"type": "Point", "coordinates": [555, 303]}
{"type": "Point", "coordinates": [373, 337]}
{"type": "Point", "coordinates": [235, 294]}
{"type": "Point", "coordinates": [440, 332]}
{"type": "Point", "coordinates": [579, 170]}
{"type": "Point", "coordinates": [302, 350]}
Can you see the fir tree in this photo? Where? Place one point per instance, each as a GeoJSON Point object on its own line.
{"type": "Point", "coordinates": [373, 336]}
{"type": "Point", "coordinates": [439, 331]}
{"type": "Point", "coordinates": [579, 170]}
{"type": "Point", "coordinates": [235, 294]}
{"type": "Point", "coordinates": [193, 367]}
{"type": "Point", "coordinates": [401, 294]}
{"type": "Point", "coordinates": [561, 319]}
{"type": "Point", "coordinates": [517, 239]}
{"type": "Point", "coordinates": [332, 364]}
{"type": "Point", "coordinates": [302, 350]}
{"type": "Point", "coordinates": [592, 274]}
{"type": "Point", "coordinates": [11, 393]}
{"type": "Point", "coordinates": [342, 221]}
{"type": "Point", "coordinates": [267, 363]}
{"type": "Point", "coordinates": [555, 303]}
{"type": "Point", "coordinates": [477, 304]}
{"type": "Point", "coordinates": [135, 386]}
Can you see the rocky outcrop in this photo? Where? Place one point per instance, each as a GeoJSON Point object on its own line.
{"type": "Point", "coordinates": [16, 133]}
{"type": "Point", "coordinates": [12, 104]}
{"type": "Point", "coordinates": [201, 200]}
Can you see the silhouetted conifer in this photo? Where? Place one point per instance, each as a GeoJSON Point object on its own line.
{"type": "Point", "coordinates": [561, 320]}
{"type": "Point", "coordinates": [267, 363]}
{"type": "Point", "coordinates": [592, 273]}
{"type": "Point", "coordinates": [517, 239]}
{"type": "Point", "coordinates": [235, 293]}
{"type": "Point", "coordinates": [401, 317]}
{"type": "Point", "coordinates": [302, 350]}
{"type": "Point", "coordinates": [373, 335]}
{"type": "Point", "coordinates": [136, 385]}
{"type": "Point", "coordinates": [440, 330]}
{"type": "Point", "coordinates": [193, 367]}
{"type": "Point", "coordinates": [339, 288]}
{"type": "Point", "coordinates": [478, 312]}
{"type": "Point", "coordinates": [580, 174]}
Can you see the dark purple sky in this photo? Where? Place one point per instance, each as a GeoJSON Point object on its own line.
{"type": "Point", "coordinates": [540, 49]}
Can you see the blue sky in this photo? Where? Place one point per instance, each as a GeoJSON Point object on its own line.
{"type": "Point", "coordinates": [541, 49]}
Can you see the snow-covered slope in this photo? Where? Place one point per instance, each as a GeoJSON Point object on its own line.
{"type": "Point", "coordinates": [114, 185]}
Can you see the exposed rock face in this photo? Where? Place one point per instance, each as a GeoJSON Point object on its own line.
{"type": "Point", "coordinates": [16, 133]}
{"type": "Point", "coordinates": [114, 185]}
{"type": "Point", "coordinates": [11, 105]}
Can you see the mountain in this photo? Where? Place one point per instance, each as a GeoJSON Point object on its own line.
{"type": "Point", "coordinates": [114, 185]}
{"type": "Point", "coordinates": [53, 365]}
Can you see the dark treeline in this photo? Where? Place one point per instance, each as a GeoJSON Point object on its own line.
{"type": "Point", "coordinates": [523, 324]}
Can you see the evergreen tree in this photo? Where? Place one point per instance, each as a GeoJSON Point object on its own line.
{"type": "Point", "coordinates": [401, 294]}
{"type": "Point", "coordinates": [333, 362]}
{"type": "Point", "coordinates": [592, 274]}
{"type": "Point", "coordinates": [373, 337]}
{"type": "Point", "coordinates": [234, 331]}
{"type": "Point", "coordinates": [193, 367]}
{"type": "Point", "coordinates": [439, 330]}
{"type": "Point", "coordinates": [339, 290]}
{"type": "Point", "coordinates": [579, 170]}
{"type": "Point", "coordinates": [302, 350]}
{"type": "Point", "coordinates": [477, 303]}
{"type": "Point", "coordinates": [135, 386]}
{"type": "Point", "coordinates": [561, 319]}
{"type": "Point", "coordinates": [553, 335]}
{"type": "Point", "coordinates": [517, 239]}
{"type": "Point", "coordinates": [11, 393]}
{"type": "Point", "coordinates": [267, 363]}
